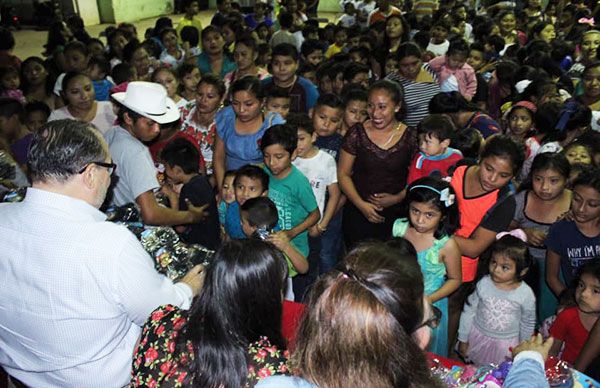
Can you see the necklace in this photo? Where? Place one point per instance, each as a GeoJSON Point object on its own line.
{"type": "Point", "coordinates": [394, 131]}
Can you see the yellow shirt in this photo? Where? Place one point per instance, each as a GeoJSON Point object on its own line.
{"type": "Point", "coordinates": [332, 50]}
{"type": "Point", "coordinates": [184, 22]}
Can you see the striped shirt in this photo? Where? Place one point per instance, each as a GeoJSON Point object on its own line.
{"type": "Point", "coordinates": [417, 95]}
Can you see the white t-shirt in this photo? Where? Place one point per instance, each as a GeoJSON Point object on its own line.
{"type": "Point", "coordinates": [438, 49]}
{"type": "Point", "coordinates": [104, 119]}
{"type": "Point", "coordinates": [321, 172]}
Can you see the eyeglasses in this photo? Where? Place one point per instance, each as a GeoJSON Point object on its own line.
{"type": "Point", "coordinates": [111, 167]}
{"type": "Point", "coordinates": [434, 321]}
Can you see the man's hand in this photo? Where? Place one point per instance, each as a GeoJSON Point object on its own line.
{"type": "Point", "coordinates": [195, 279]}
{"type": "Point", "coordinates": [537, 344]}
{"type": "Point", "coordinates": [198, 213]}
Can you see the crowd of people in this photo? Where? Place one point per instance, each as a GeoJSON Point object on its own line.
{"type": "Point", "coordinates": [416, 180]}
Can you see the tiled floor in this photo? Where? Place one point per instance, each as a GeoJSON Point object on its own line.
{"type": "Point", "coordinates": [30, 42]}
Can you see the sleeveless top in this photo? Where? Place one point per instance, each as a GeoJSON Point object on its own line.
{"type": "Point", "coordinates": [472, 211]}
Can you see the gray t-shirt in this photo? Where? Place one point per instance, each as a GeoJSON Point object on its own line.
{"type": "Point", "coordinates": [135, 169]}
{"type": "Point", "coordinates": [538, 253]}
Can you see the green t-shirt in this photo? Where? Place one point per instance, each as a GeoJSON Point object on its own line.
{"type": "Point", "coordinates": [295, 200]}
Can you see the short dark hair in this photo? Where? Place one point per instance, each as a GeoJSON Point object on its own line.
{"type": "Point", "coordinates": [10, 107]}
{"type": "Point", "coordinates": [436, 125]}
{"type": "Point", "coordinates": [261, 212]}
{"type": "Point", "coordinates": [253, 172]}
{"type": "Point", "coordinates": [282, 134]}
{"type": "Point", "coordinates": [37, 106]}
{"type": "Point", "coordinates": [309, 46]}
{"type": "Point", "coordinates": [122, 72]}
{"type": "Point", "coordinates": [61, 148]}
{"type": "Point", "coordinates": [190, 34]}
{"type": "Point", "coordinates": [301, 121]}
{"type": "Point", "coordinates": [468, 142]}
{"type": "Point", "coordinates": [458, 46]}
{"type": "Point", "coordinates": [362, 51]}
{"type": "Point", "coordinates": [590, 177]}
{"type": "Point", "coordinates": [355, 94]}
{"type": "Point", "coordinates": [7, 39]}
{"type": "Point", "coordinates": [331, 100]}
{"type": "Point", "coordinates": [102, 63]}
{"type": "Point", "coordinates": [286, 20]}
{"type": "Point", "coordinates": [352, 69]}
{"type": "Point", "coordinates": [182, 153]}
{"type": "Point", "coordinates": [285, 50]}
{"type": "Point", "coordinates": [277, 92]}
{"type": "Point", "coordinates": [77, 46]}
{"type": "Point", "coordinates": [408, 49]}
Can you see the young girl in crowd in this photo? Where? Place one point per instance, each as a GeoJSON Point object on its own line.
{"type": "Point", "coordinates": [172, 56]}
{"type": "Point", "coordinates": [10, 83]}
{"type": "Point", "coordinates": [355, 109]}
{"type": "Point", "coordinates": [36, 81]}
{"type": "Point", "coordinates": [198, 118]}
{"type": "Point", "coordinates": [167, 77]}
{"type": "Point", "coordinates": [521, 125]}
{"type": "Point", "coordinates": [501, 312]}
{"type": "Point", "coordinates": [432, 219]}
{"type": "Point", "coordinates": [572, 243]}
{"type": "Point", "coordinates": [573, 325]}
{"type": "Point", "coordinates": [136, 55]}
{"type": "Point", "coordinates": [543, 199]}
{"type": "Point", "coordinates": [188, 76]}
{"type": "Point", "coordinates": [245, 55]}
{"type": "Point", "coordinates": [453, 71]}
{"type": "Point", "coordinates": [578, 153]}
{"type": "Point", "coordinates": [214, 59]}
{"type": "Point", "coordinates": [484, 194]}
{"type": "Point", "coordinates": [227, 194]}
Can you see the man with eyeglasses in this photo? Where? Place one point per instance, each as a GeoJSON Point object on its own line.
{"type": "Point", "coordinates": [142, 108]}
{"type": "Point", "coordinates": [75, 289]}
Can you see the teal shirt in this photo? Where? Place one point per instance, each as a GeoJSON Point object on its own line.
{"type": "Point", "coordinates": [295, 200]}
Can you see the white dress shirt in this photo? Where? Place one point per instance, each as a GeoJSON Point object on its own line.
{"type": "Point", "coordinates": [74, 291]}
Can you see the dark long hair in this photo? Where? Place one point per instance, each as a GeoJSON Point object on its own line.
{"type": "Point", "coordinates": [239, 303]}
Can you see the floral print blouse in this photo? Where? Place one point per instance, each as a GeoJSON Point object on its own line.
{"type": "Point", "coordinates": [156, 362]}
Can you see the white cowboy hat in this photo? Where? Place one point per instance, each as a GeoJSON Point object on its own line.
{"type": "Point", "coordinates": [149, 100]}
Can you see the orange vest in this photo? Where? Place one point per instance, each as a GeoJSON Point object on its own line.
{"type": "Point", "coordinates": [472, 211]}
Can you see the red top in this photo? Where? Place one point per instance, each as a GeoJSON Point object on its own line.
{"type": "Point", "coordinates": [157, 147]}
{"type": "Point", "coordinates": [569, 329]}
{"type": "Point", "coordinates": [423, 165]}
{"type": "Point", "coordinates": [472, 210]}
{"type": "Point", "coordinates": [292, 313]}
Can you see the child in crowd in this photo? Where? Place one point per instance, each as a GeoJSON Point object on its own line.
{"type": "Point", "coordinates": [227, 195]}
{"type": "Point", "coordinates": [501, 312]}
{"type": "Point", "coordinates": [288, 187]}
{"type": "Point", "coordinates": [284, 35]}
{"type": "Point", "coordinates": [13, 132]}
{"type": "Point", "coordinates": [327, 121]}
{"type": "Point", "coordinates": [312, 52]}
{"type": "Point", "coordinates": [391, 65]}
{"type": "Point", "coordinates": [469, 142]}
{"type": "Point", "coordinates": [578, 153]}
{"type": "Point", "coordinates": [284, 63]}
{"type": "Point", "coordinates": [172, 55]}
{"type": "Point", "coordinates": [348, 18]}
{"type": "Point", "coordinates": [181, 159]}
{"type": "Point", "coordinates": [10, 84]}
{"type": "Point", "coordinates": [321, 170]}
{"type": "Point", "coordinates": [521, 124]}
{"type": "Point", "coordinates": [190, 38]}
{"type": "Point", "coordinates": [309, 72]}
{"type": "Point", "coordinates": [359, 55]}
{"type": "Point", "coordinates": [7, 44]}
{"type": "Point", "coordinates": [259, 217]}
{"type": "Point", "coordinates": [76, 59]}
{"type": "Point", "coordinates": [566, 300]}
{"type": "Point", "coordinates": [166, 77]}
{"type": "Point", "coordinates": [435, 155]}
{"type": "Point", "coordinates": [250, 182]}
{"type": "Point", "coordinates": [453, 72]}
{"type": "Point", "coordinates": [355, 109]}
{"type": "Point", "coordinates": [190, 18]}
{"type": "Point", "coordinates": [98, 71]}
{"type": "Point", "coordinates": [572, 326]}
{"type": "Point", "coordinates": [572, 243]}
{"type": "Point", "coordinates": [432, 218]}
{"type": "Point", "coordinates": [36, 115]}
{"type": "Point", "coordinates": [356, 73]}
{"type": "Point", "coordinates": [278, 100]}
{"type": "Point", "coordinates": [96, 48]}
{"type": "Point", "coordinates": [438, 45]}
{"type": "Point", "coordinates": [123, 72]}
{"type": "Point", "coordinates": [188, 76]}
{"type": "Point", "coordinates": [339, 43]}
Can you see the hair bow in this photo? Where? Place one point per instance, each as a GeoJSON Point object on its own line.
{"type": "Point", "coordinates": [446, 197]}
{"type": "Point", "coordinates": [518, 233]}
{"type": "Point", "coordinates": [589, 21]}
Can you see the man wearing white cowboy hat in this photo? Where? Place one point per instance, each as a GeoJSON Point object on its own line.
{"type": "Point", "coordinates": [142, 108]}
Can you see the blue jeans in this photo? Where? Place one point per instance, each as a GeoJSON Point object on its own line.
{"type": "Point", "coordinates": [331, 244]}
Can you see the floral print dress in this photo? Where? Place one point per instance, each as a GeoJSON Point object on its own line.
{"type": "Point", "coordinates": [157, 360]}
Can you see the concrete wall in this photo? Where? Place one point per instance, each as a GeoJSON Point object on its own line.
{"type": "Point", "coordinates": [329, 6]}
{"type": "Point", "coordinates": [88, 10]}
{"type": "Point", "coordinates": [117, 11]}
